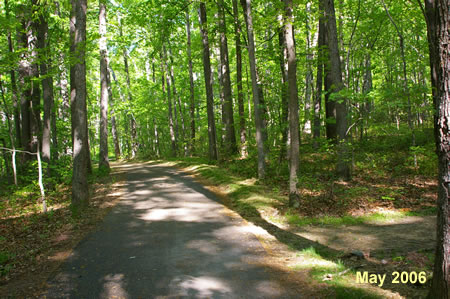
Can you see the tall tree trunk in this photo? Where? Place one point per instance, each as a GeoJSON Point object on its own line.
{"type": "Point", "coordinates": [15, 93]}
{"type": "Point", "coordinates": [103, 154]}
{"type": "Point", "coordinates": [438, 26]}
{"type": "Point", "coordinates": [130, 116]}
{"type": "Point", "coordinates": [230, 136]}
{"type": "Point", "coordinates": [257, 103]}
{"type": "Point", "coordinates": [176, 99]}
{"type": "Point", "coordinates": [114, 130]}
{"type": "Point", "coordinates": [240, 94]}
{"type": "Point", "coordinates": [80, 189]}
{"type": "Point", "coordinates": [284, 94]}
{"type": "Point", "coordinates": [191, 86]}
{"type": "Point", "coordinates": [208, 82]}
{"type": "Point", "coordinates": [335, 76]}
{"type": "Point", "coordinates": [24, 77]}
{"type": "Point", "coordinates": [36, 122]}
{"type": "Point", "coordinates": [330, 105]}
{"type": "Point", "coordinates": [294, 149]}
{"type": "Point", "coordinates": [309, 71]}
{"type": "Point", "coordinates": [319, 80]}
{"type": "Point", "coordinates": [166, 76]}
{"type": "Point", "coordinates": [47, 85]}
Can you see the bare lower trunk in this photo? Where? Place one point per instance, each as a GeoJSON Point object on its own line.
{"type": "Point", "coordinates": [259, 121]}
{"type": "Point", "coordinates": [191, 87]}
{"type": "Point", "coordinates": [335, 77]}
{"type": "Point", "coordinates": [230, 137]}
{"type": "Point", "coordinates": [294, 153]}
{"type": "Point", "coordinates": [103, 154]}
{"type": "Point", "coordinates": [438, 28]}
{"type": "Point", "coordinates": [240, 94]}
{"type": "Point", "coordinates": [208, 82]}
{"type": "Point", "coordinates": [80, 193]}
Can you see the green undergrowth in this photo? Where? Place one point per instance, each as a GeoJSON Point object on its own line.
{"type": "Point", "coordinates": [384, 179]}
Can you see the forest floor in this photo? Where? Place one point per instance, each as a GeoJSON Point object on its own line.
{"type": "Point", "coordinates": [380, 236]}
{"type": "Point", "coordinates": [379, 225]}
{"type": "Point", "coordinates": [33, 244]}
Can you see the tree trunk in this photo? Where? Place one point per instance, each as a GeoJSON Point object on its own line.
{"type": "Point", "coordinates": [24, 78]}
{"type": "Point", "coordinates": [36, 122]}
{"type": "Point", "coordinates": [259, 121]}
{"type": "Point", "coordinates": [240, 94]}
{"type": "Point", "coordinates": [294, 152]}
{"type": "Point", "coordinates": [130, 116]}
{"type": "Point", "coordinates": [191, 86]}
{"type": "Point", "coordinates": [335, 76]}
{"type": "Point", "coordinates": [165, 73]}
{"type": "Point", "coordinates": [103, 155]}
{"type": "Point", "coordinates": [80, 189]}
{"type": "Point", "coordinates": [284, 94]}
{"type": "Point", "coordinates": [438, 25]}
{"type": "Point", "coordinates": [230, 136]}
{"type": "Point", "coordinates": [309, 71]}
{"type": "Point", "coordinates": [176, 99]}
{"type": "Point", "coordinates": [114, 131]}
{"type": "Point", "coordinates": [14, 90]}
{"type": "Point", "coordinates": [319, 80]}
{"type": "Point", "coordinates": [47, 85]}
{"type": "Point", "coordinates": [208, 82]}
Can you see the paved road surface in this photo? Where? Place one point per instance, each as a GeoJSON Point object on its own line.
{"type": "Point", "coordinates": [168, 238]}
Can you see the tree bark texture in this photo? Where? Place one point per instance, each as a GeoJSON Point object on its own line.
{"type": "Point", "coordinates": [208, 82]}
{"type": "Point", "coordinates": [437, 13]}
{"type": "Point", "coordinates": [191, 87]}
{"type": "Point", "coordinates": [47, 85]}
{"type": "Point", "coordinates": [294, 149]}
{"type": "Point", "coordinates": [335, 76]}
{"type": "Point", "coordinates": [319, 82]}
{"type": "Point", "coordinates": [257, 105]}
{"type": "Point", "coordinates": [80, 192]}
{"type": "Point", "coordinates": [240, 93]}
{"type": "Point", "coordinates": [103, 153]}
{"type": "Point", "coordinates": [230, 136]}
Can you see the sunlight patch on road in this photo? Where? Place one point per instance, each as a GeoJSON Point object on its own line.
{"type": "Point", "coordinates": [202, 287]}
{"type": "Point", "coordinates": [113, 287]}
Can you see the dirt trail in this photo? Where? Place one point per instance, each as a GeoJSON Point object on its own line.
{"type": "Point", "coordinates": [397, 236]}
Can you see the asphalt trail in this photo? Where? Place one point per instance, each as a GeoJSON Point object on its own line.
{"type": "Point", "coordinates": [168, 238]}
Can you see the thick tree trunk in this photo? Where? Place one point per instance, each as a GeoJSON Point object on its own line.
{"type": "Point", "coordinates": [257, 103]}
{"type": "Point", "coordinates": [130, 116]}
{"type": "Point", "coordinates": [103, 154]}
{"type": "Point", "coordinates": [240, 94]}
{"type": "Point", "coordinates": [176, 99]}
{"type": "Point", "coordinates": [208, 82]}
{"type": "Point", "coordinates": [284, 94]}
{"type": "Point", "coordinates": [438, 27]}
{"type": "Point", "coordinates": [165, 69]}
{"type": "Point", "coordinates": [294, 149]}
{"type": "Point", "coordinates": [36, 122]}
{"type": "Point", "coordinates": [24, 78]}
{"type": "Point", "coordinates": [230, 136]}
{"type": "Point", "coordinates": [191, 87]}
{"type": "Point", "coordinates": [319, 81]}
{"type": "Point", "coordinates": [80, 189]}
{"type": "Point", "coordinates": [330, 105]}
{"type": "Point", "coordinates": [335, 76]}
{"type": "Point", "coordinates": [47, 86]}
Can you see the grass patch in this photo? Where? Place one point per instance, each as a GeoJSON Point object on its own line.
{"type": "Point", "coordinates": [379, 217]}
